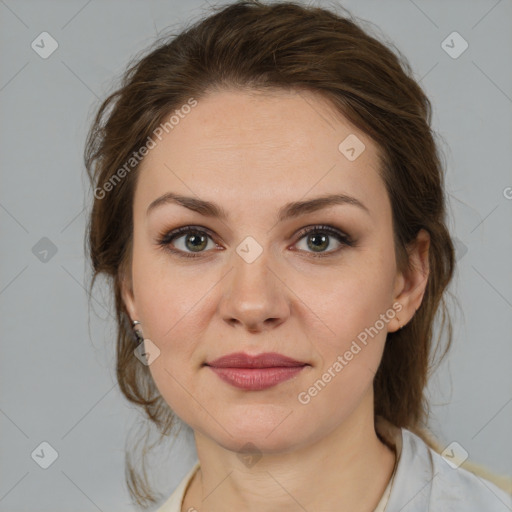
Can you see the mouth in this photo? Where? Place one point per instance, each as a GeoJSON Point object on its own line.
{"type": "Point", "coordinates": [254, 373]}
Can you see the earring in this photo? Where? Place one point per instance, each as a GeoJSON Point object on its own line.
{"type": "Point", "coordinates": [399, 325]}
{"type": "Point", "coordinates": [138, 333]}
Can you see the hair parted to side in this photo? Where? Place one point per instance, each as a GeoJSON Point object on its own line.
{"type": "Point", "coordinates": [249, 45]}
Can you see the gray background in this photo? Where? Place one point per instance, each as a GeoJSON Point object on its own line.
{"type": "Point", "coordinates": [57, 378]}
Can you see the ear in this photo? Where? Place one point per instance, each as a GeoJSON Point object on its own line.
{"type": "Point", "coordinates": [126, 284]}
{"type": "Point", "coordinates": [410, 285]}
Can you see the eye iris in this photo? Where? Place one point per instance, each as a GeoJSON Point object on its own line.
{"type": "Point", "coordinates": [323, 238]}
{"type": "Point", "coordinates": [197, 241]}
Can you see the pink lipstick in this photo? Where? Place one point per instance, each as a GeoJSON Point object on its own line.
{"type": "Point", "coordinates": [254, 373]}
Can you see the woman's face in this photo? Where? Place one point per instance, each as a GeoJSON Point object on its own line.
{"type": "Point", "coordinates": [253, 281]}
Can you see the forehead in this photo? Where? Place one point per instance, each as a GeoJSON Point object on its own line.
{"type": "Point", "coordinates": [266, 147]}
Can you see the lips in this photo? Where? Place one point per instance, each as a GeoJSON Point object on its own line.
{"type": "Point", "coordinates": [265, 360]}
{"type": "Point", "coordinates": [255, 373]}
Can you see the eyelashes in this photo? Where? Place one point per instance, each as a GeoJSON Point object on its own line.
{"type": "Point", "coordinates": [166, 239]}
{"type": "Point", "coordinates": [325, 232]}
{"type": "Point", "coordinates": [202, 234]}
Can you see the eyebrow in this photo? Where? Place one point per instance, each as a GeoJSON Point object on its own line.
{"type": "Point", "coordinates": [288, 211]}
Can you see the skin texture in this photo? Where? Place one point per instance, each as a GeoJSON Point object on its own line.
{"type": "Point", "coordinates": [252, 153]}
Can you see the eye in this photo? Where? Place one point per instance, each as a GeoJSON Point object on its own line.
{"type": "Point", "coordinates": [194, 239]}
{"type": "Point", "coordinates": [317, 239]}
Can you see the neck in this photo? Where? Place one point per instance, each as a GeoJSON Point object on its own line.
{"type": "Point", "coordinates": [348, 469]}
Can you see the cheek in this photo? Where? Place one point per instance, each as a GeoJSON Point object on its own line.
{"type": "Point", "coordinates": [349, 356]}
{"type": "Point", "coordinates": [169, 297]}
{"type": "Point", "coordinates": [175, 307]}
{"type": "Point", "coordinates": [355, 310]}
{"type": "Point", "coordinates": [348, 302]}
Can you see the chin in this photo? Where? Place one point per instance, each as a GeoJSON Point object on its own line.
{"type": "Point", "coordinates": [270, 433]}
{"type": "Point", "coordinates": [262, 442]}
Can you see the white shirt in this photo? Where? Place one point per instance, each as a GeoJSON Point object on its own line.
{"type": "Point", "coordinates": [422, 481]}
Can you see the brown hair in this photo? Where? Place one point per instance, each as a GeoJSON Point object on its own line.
{"type": "Point", "coordinates": [251, 45]}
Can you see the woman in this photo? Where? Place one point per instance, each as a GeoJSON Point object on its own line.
{"type": "Point", "coordinates": [269, 207]}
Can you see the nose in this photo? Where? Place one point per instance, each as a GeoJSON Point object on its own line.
{"type": "Point", "coordinates": [254, 298]}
